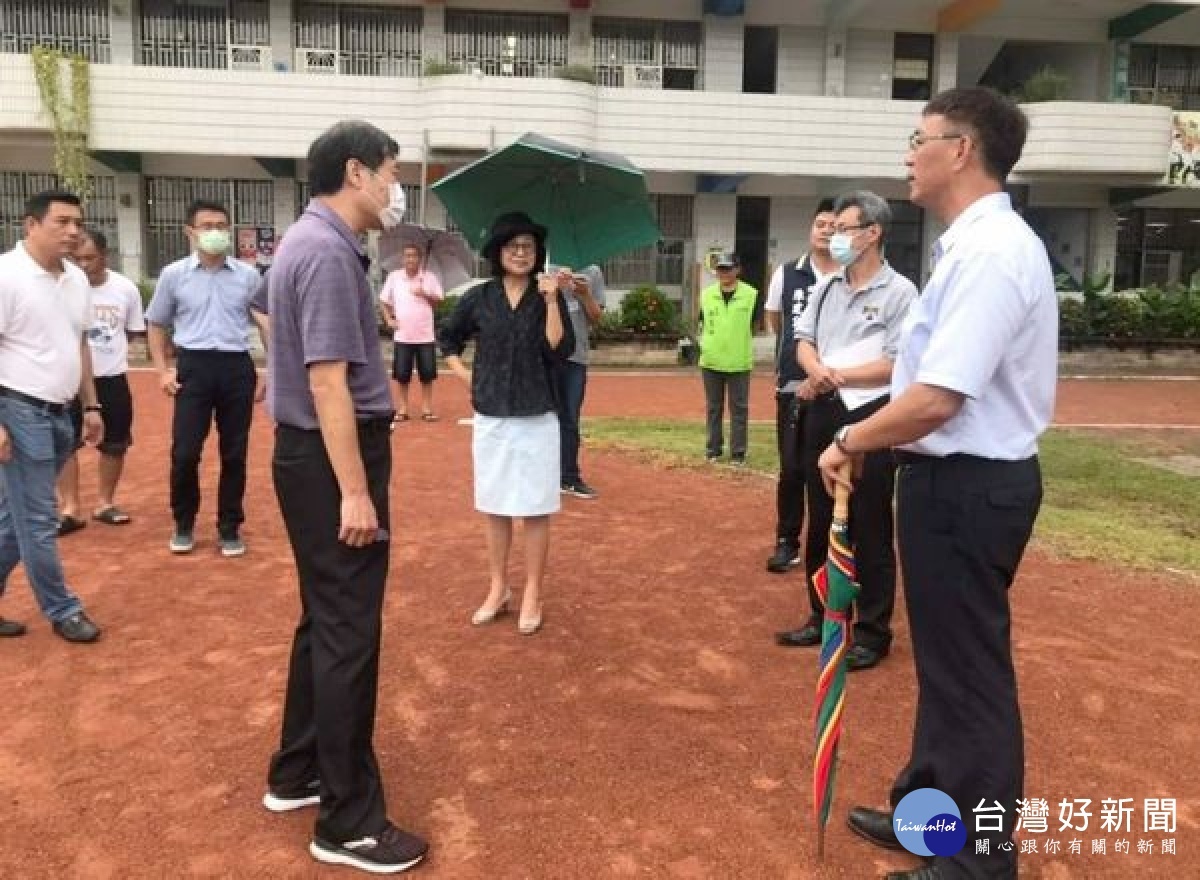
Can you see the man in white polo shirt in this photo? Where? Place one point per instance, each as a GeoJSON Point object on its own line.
{"type": "Point", "coordinates": [972, 390]}
{"type": "Point", "coordinates": [44, 363]}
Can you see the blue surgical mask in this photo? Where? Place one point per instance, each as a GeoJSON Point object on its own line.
{"type": "Point", "coordinates": [841, 248]}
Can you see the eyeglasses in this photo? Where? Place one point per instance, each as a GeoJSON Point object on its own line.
{"type": "Point", "coordinates": [842, 230]}
{"type": "Point", "coordinates": [917, 140]}
{"type": "Point", "coordinates": [520, 247]}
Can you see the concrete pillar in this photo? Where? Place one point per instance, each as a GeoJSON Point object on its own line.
{"type": "Point", "coordinates": [131, 213]}
{"type": "Point", "coordinates": [1102, 243]}
{"type": "Point", "coordinates": [945, 62]}
{"type": "Point", "coordinates": [724, 45]}
{"type": "Point", "coordinates": [433, 36]}
{"type": "Point", "coordinates": [1119, 86]}
{"type": "Point", "coordinates": [286, 209]}
{"type": "Point", "coordinates": [282, 49]}
{"type": "Point", "coordinates": [122, 31]}
{"type": "Point", "coordinates": [579, 42]}
{"type": "Point", "coordinates": [835, 63]}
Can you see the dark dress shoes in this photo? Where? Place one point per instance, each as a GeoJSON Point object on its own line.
{"type": "Point", "coordinates": [11, 628]}
{"type": "Point", "coordinates": [805, 637]}
{"type": "Point", "coordinates": [862, 657]}
{"type": "Point", "coordinates": [875, 826]}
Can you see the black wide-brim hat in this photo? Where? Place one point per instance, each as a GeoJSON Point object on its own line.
{"type": "Point", "coordinates": [506, 227]}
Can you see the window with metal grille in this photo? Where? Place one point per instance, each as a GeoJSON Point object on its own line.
{"type": "Point", "coordinates": [206, 34]}
{"type": "Point", "coordinates": [251, 204]}
{"type": "Point", "coordinates": [647, 54]}
{"type": "Point", "coordinates": [79, 27]}
{"type": "Point", "coordinates": [16, 187]}
{"type": "Point", "coordinates": [1168, 75]}
{"type": "Point", "coordinates": [507, 43]}
{"type": "Point", "coordinates": [362, 40]}
{"type": "Point", "coordinates": [661, 263]}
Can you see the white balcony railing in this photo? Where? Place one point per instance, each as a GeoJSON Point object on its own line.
{"type": "Point", "coordinates": [143, 109]}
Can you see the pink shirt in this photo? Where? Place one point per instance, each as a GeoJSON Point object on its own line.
{"type": "Point", "coordinates": [414, 314]}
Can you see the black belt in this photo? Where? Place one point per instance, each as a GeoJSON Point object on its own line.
{"type": "Point", "coordinates": [54, 409]}
{"type": "Point", "coordinates": [366, 425]}
{"type": "Point", "coordinates": [904, 457]}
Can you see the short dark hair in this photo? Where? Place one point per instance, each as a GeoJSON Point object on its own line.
{"type": "Point", "coordinates": [349, 139]}
{"type": "Point", "coordinates": [204, 205]}
{"type": "Point", "coordinates": [998, 123]}
{"type": "Point", "coordinates": [38, 204]}
{"type": "Point", "coordinates": [825, 206]}
{"type": "Point", "coordinates": [96, 237]}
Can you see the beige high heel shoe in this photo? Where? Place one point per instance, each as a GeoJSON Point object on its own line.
{"type": "Point", "coordinates": [484, 615]}
{"type": "Point", "coordinates": [527, 626]}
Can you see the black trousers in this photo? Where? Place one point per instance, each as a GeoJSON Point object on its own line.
{"type": "Point", "coordinates": [790, 415]}
{"type": "Point", "coordinates": [871, 522]}
{"type": "Point", "coordinates": [333, 676]}
{"type": "Point", "coordinates": [964, 523]}
{"type": "Point", "coordinates": [220, 384]}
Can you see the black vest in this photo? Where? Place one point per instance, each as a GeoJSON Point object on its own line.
{"type": "Point", "coordinates": [798, 283]}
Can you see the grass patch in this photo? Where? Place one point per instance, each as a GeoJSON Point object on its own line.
{"type": "Point", "coordinates": [1101, 502]}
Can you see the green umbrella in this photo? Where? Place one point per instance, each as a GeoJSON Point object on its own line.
{"type": "Point", "coordinates": [594, 205]}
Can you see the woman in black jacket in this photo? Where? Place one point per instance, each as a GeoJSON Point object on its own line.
{"type": "Point", "coordinates": [520, 325]}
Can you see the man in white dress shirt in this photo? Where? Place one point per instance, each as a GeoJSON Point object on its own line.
{"type": "Point", "coordinates": [973, 388]}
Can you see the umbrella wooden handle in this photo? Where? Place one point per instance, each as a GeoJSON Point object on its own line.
{"type": "Point", "coordinates": [841, 495]}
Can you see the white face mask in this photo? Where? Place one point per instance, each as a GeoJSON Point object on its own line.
{"type": "Point", "coordinates": [391, 215]}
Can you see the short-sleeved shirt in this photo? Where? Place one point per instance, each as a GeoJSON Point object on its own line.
{"type": "Point", "coordinates": [42, 318]}
{"type": "Point", "coordinates": [579, 318]}
{"type": "Point", "coordinates": [209, 309]}
{"type": "Point", "coordinates": [116, 312]}
{"type": "Point", "coordinates": [414, 314]}
{"type": "Point", "coordinates": [986, 327]}
{"type": "Point", "coordinates": [838, 316]}
{"type": "Point", "coordinates": [322, 311]}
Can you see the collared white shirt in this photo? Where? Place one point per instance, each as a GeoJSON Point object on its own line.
{"type": "Point", "coordinates": [42, 318]}
{"type": "Point", "coordinates": [985, 326]}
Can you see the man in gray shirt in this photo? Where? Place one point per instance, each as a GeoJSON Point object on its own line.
{"type": "Point", "coordinates": [331, 467]}
{"type": "Point", "coordinates": [585, 304]}
{"type": "Point", "coordinates": [847, 338]}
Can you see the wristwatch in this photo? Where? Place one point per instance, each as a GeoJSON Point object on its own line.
{"type": "Point", "coordinates": [839, 440]}
{"type": "Point", "coordinates": [93, 407]}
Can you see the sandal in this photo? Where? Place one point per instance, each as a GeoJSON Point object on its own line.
{"type": "Point", "coordinates": [68, 524]}
{"type": "Point", "coordinates": [428, 417]}
{"type": "Point", "coordinates": [113, 516]}
{"type": "Point", "coordinates": [398, 418]}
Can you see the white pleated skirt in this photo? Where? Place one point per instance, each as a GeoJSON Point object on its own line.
{"type": "Point", "coordinates": [517, 465]}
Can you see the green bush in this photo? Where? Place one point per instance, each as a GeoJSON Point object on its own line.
{"type": "Point", "coordinates": [583, 73]}
{"type": "Point", "coordinates": [1047, 84]}
{"type": "Point", "coordinates": [1150, 314]}
{"type": "Point", "coordinates": [610, 326]}
{"type": "Point", "coordinates": [647, 310]}
{"type": "Point", "coordinates": [438, 67]}
{"type": "Point", "coordinates": [444, 307]}
{"type": "Point", "coordinates": [146, 288]}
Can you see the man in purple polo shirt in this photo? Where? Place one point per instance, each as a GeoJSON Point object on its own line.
{"type": "Point", "coordinates": [329, 395]}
